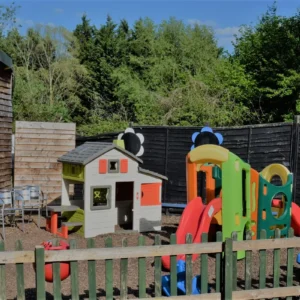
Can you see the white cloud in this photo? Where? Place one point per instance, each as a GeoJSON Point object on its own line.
{"type": "Point", "coordinates": [25, 22]}
{"type": "Point", "coordinates": [227, 30]}
{"type": "Point", "coordinates": [59, 10]}
{"type": "Point", "coordinates": [225, 41]}
{"type": "Point", "coordinates": [80, 14]}
{"type": "Point", "coordinates": [200, 22]}
{"type": "Point", "coordinates": [51, 24]}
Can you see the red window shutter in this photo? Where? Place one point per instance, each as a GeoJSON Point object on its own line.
{"type": "Point", "coordinates": [124, 166]}
{"type": "Point", "coordinates": [102, 166]}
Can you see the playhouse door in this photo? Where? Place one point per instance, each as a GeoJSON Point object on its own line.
{"type": "Point", "coordinates": [124, 204]}
{"type": "Point", "coordinates": [150, 194]}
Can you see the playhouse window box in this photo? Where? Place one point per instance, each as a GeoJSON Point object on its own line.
{"type": "Point", "coordinates": [100, 197]}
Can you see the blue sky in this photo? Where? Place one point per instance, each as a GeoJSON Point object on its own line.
{"type": "Point", "coordinates": [224, 16]}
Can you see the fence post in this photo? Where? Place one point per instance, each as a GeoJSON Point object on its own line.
{"type": "Point", "coordinates": [294, 154]}
{"type": "Point", "coordinates": [2, 275]}
{"type": "Point", "coordinates": [165, 185]}
{"type": "Point", "coordinates": [40, 272]}
{"type": "Point", "coordinates": [228, 269]}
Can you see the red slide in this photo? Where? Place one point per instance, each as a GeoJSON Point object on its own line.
{"type": "Point", "coordinates": [195, 220]}
{"type": "Point", "coordinates": [296, 219]}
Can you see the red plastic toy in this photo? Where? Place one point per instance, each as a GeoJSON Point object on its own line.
{"type": "Point", "coordinates": [64, 266]}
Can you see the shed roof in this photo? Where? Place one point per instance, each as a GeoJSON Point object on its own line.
{"type": "Point", "coordinates": [89, 151]}
{"type": "Point", "coordinates": [5, 59]}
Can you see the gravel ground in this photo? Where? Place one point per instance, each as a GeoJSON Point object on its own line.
{"type": "Point", "coordinates": [35, 236]}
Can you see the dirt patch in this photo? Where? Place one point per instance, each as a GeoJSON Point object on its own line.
{"type": "Point", "coordinates": [35, 236]}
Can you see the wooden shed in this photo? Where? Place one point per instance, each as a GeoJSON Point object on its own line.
{"type": "Point", "coordinates": [6, 119]}
{"type": "Point", "coordinates": [116, 190]}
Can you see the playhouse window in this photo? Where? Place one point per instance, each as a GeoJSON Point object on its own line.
{"type": "Point", "coordinates": [100, 197]}
{"type": "Point", "coordinates": [113, 166]}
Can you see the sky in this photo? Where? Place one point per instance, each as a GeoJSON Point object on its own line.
{"type": "Point", "coordinates": [223, 16]}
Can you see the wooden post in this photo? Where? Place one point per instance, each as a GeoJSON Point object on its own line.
{"type": "Point", "coordinates": [218, 265]}
{"type": "Point", "coordinates": [56, 276]}
{"type": "Point", "coordinates": [142, 270]}
{"type": "Point", "coordinates": [74, 274]}
{"type": "Point", "coordinates": [109, 273]}
{"type": "Point", "coordinates": [228, 276]}
{"type": "Point", "coordinates": [248, 265]}
{"type": "Point", "coordinates": [157, 269]}
{"type": "Point", "coordinates": [165, 184]}
{"type": "Point", "coordinates": [276, 263]}
{"type": "Point", "coordinates": [290, 263]}
{"type": "Point", "coordinates": [234, 264]}
{"type": "Point", "coordinates": [92, 272]}
{"type": "Point", "coordinates": [204, 267]}
{"type": "Point", "coordinates": [294, 154]}
{"type": "Point", "coordinates": [189, 267]}
{"type": "Point", "coordinates": [20, 275]}
{"type": "Point", "coordinates": [262, 262]}
{"type": "Point", "coordinates": [2, 276]}
{"type": "Point", "coordinates": [124, 273]}
{"type": "Point", "coordinates": [173, 275]}
{"type": "Point", "coordinates": [40, 272]}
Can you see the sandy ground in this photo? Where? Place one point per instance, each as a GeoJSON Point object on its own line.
{"type": "Point", "coordinates": [35, 236]}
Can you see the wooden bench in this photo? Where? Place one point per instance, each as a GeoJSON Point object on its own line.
{"type": "Point", "coordinates": [66, 225]}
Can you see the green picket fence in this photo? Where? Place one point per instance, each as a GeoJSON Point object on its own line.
{"type": "Point", "coordinates": [225, 267]}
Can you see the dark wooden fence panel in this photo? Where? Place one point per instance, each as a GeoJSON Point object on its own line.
{"type": "Point", "coordinates": [296, 160]}
{"type": "Point", "coordinates": [259, 145]}
{"type": "Point", "coordinates": [271, 144]}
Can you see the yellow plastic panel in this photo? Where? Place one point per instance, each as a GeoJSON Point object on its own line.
{"type": "Point", "coordinates": [209, 153]}
{"type": "Point", "coordinates": [275, 169]}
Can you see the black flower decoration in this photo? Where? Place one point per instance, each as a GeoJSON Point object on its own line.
{"type": "Point", "coordinates": [206, 136]}
{"type": "Point", "coordinates": [133, 142]}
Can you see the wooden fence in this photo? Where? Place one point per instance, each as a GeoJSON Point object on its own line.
{"type": "Point", "coordinates": [225, 253]}
{"type": "Point", "coordinates": [166, 148]}
{"type": "Point", "coordinates": [38, 145]}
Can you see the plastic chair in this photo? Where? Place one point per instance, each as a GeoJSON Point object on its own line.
{"type": "Point", "coordinates": [30, 198]}
{"type": "Point", "coordinates": [9, 209]}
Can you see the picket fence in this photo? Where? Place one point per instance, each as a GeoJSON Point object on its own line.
{"type": "Point", "coordinates": [225, 267]}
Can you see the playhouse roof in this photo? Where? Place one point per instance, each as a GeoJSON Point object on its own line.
{"type": "Point", "coordinates": [89, 151]}
{"type": "Point", "coordinates": [154, 174]}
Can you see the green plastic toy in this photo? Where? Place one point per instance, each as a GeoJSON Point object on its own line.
{"type": "Point", "coordinates": [236, 213]}
{"type": "Point", "coordinates": [266, 219]}
{"type": "Point", "coordinates": [217, 176]}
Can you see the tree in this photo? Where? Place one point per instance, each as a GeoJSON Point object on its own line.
{"type": "Point", "coordinates": [269, 52]}
{"type": "Point", "coordinates": [48, 74]}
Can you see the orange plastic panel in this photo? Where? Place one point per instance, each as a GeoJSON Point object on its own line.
{"type": "Point", "coordinates": [150, 194]}
{"type": "Point", "coordinates": [191, 180]}
{"type": "Point", "coordinates": [124, 165]}
{"type": "Point", "coordinates": [254, 178]}
{"type": "Point", "coordinates": [102, 166]}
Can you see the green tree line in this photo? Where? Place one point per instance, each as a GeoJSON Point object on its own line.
{"type": "Point", "coordinates": [153, 74]}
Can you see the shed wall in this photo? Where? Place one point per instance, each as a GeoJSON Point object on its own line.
{"type": "Point", "coordinates": [38, 145]}
{"type": "Point", "coordinates": [6, 119]}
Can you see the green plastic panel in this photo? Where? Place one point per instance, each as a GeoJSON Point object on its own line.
{"type": "Point", "coordinates": [236, 213]}
{"type": "Point", "coordinates": [217, 176]}
{"type": "Point", "coordinates": [73, 172]}
{"type": "Point", "coordinates": [270, 223]}
{"type": "Point", "coordinates": [75, 216]}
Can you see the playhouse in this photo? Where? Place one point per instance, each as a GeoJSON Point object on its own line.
{"type": "Point", "coordinates": [115, 189]}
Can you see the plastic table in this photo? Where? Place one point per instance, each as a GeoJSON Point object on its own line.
{"type": "Point", "coordinates": [55, 210]}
